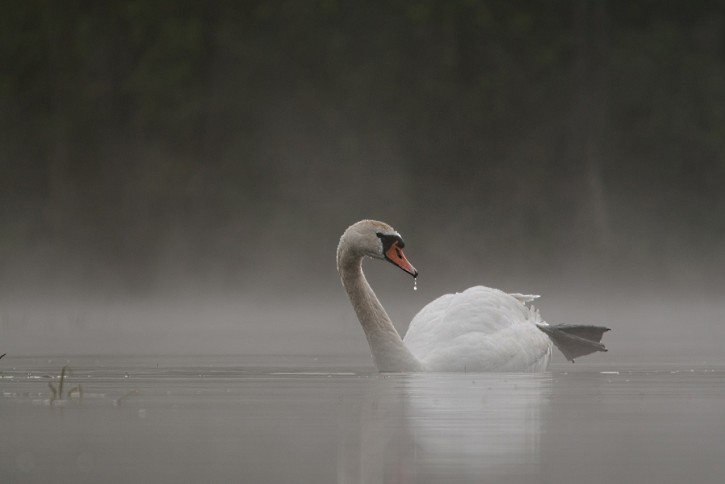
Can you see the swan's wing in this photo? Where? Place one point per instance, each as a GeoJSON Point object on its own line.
{"type": "Point", "coordinates": [524, 298]}
{"type": "Point", "coordinates": [480, 329]}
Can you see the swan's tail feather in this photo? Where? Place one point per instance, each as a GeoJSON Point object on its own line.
{"type": "Point", "coordinates": [575, 340]}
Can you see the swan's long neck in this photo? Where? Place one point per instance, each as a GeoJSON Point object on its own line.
{"type": "Point", "coordinates": [388, 349]}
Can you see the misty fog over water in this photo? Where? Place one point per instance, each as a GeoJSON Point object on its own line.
{"type": "Point", "coordinates": [177, 181]}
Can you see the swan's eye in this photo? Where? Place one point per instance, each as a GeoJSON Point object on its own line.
{"type": "Point", "coordinates": [390, 240]}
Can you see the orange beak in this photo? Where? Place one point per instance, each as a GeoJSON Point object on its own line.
{"type": "Point", "coordinates": [395, 255]}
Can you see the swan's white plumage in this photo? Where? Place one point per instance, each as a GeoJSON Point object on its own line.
{"type": "Point", "coordinates": [479, 329]}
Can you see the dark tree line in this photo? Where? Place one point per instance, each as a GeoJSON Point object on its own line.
{"type": "Point", "coordinates": [141, 136]}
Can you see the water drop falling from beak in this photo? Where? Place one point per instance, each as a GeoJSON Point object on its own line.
{"type": "Point", "coordinates": [415, 283]}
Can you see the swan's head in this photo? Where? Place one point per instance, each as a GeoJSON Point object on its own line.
{"type": "Point", "coordinates": [377, 240]}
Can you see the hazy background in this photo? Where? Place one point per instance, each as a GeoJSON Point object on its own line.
{"type": "Point", "coordinates": [175, 177]}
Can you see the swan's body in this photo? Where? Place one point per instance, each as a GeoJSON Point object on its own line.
{"type": "Point", "coordinates": [480, 329]}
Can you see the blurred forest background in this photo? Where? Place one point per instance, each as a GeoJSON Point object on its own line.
{"type": "Point", "coordinates": [228, 144]}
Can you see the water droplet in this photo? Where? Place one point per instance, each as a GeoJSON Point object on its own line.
{"type": "Point", "coordinates": [415, 283]}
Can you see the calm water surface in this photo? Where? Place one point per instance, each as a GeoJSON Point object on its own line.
{"type": "Point", "coordinates": [165, 420]}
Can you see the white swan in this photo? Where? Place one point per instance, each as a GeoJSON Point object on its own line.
{"type": "Point", "coordinates": [480, 329]}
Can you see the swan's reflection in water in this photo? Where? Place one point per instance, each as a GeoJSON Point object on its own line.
{"type": "Point", "coordinates": [212, 422]}
{"type": "Point", "coordinates": [444, 428]}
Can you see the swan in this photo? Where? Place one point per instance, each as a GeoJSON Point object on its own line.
{"type": "Point", "coordinates": [480, 329]}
